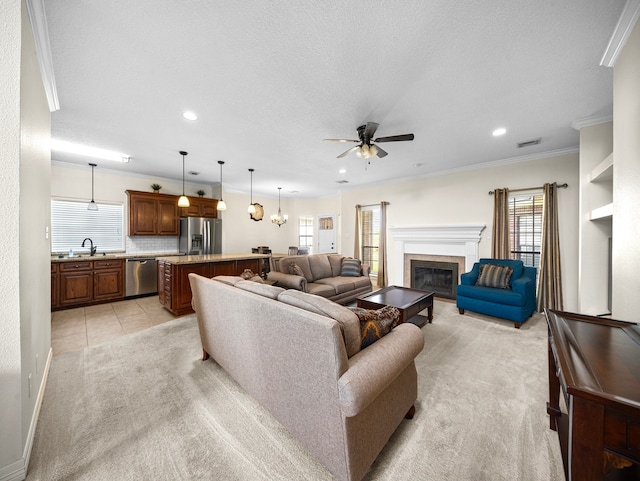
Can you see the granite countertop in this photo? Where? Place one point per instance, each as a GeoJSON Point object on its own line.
{"type": "Point", "coordinates": [111, 255]}
{"type": "Point", "coordinates": [210, 258]}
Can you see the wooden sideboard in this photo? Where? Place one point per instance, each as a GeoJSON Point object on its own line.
{"type": "Point", "coordinates": [595, 363]}
{"type": "Point", "coordinates": [174, 290]}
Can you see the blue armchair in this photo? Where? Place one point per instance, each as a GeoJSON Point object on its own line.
{"type": "Point", "coordinates": [515, 303]}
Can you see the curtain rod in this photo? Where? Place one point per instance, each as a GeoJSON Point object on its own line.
{"type": "Point", "coordinates": [560, 186]}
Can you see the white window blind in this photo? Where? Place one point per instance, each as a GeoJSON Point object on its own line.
{"type": "Point", "coordinates": [71, 223]}
{"type": "Point", "coordinates": [525, 219]}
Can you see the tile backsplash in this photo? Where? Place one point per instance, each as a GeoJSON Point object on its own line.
{"type": "Point", "coordinates": [152, 244]}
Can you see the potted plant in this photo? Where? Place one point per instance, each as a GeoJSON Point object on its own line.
{"type": "Point", "coordinates": [156, 187]}
{"type": "Point", "coordinates": [200, 193]}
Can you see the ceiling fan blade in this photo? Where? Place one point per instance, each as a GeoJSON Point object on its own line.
{"type": "Point", "coordinates": [352, 149]}
{"type": "Point", "coordinates": [341, 140]}
{"type": "Point", "coordinates": [370, 129]}
{"type": "Point", "coordinates": [380, 153]}
{"type": "Point", "coordinates": [395, 138]}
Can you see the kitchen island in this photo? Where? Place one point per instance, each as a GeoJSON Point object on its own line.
{"type": "Point", "coordinates": [174, 290]}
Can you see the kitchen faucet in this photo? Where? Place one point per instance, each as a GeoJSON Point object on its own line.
{"type": "Point", "coordinates": [93, 249]}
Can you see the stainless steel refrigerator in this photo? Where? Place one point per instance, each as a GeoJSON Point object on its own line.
{"type": "Point", "coordinates": [200, 235]}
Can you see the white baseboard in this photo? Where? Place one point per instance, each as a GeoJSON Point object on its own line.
{"type": "Point", "coordinates": [17, 471]}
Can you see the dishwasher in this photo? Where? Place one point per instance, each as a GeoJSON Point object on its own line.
{"type": "Point", "coordinates": [141, 276]}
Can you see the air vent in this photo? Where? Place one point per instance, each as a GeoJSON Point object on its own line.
{"type": "Point", "coordinates": [529, 143]}
{"type": "Point", "coordinates": [342, 181]}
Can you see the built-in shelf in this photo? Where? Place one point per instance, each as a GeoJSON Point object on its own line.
{"type": "Point", "coordinates": [604, 212]}
{"type": "Point", "coordinates": [603, 172]}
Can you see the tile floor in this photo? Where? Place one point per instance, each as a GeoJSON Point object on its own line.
{"type": "Point", "coordinates": [75, 329]}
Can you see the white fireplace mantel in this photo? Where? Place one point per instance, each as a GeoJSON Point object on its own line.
{"type": "Point", "coordinates": [439, 240]}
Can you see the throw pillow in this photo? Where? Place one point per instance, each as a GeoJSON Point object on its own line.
{"type": "Point", "coordinates": [247, 274]}
{"type": "Point", "coordinates": [492, 275]}
{"type": "Point", "coordinates": [374, 324]}
{"type": "Point", "coordinates": [295, 270]}
{"type": "Point", "coordinates": [350, 267]}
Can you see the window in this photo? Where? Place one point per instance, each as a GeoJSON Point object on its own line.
{"type": "Point", "coordinates": [305, 231]}
{"type": "Point", "coordinates": [71, 223]}
{"type": "Point", "coordinates": [371, 236]}
{"type": "Point", "coordinates": [525, 227]}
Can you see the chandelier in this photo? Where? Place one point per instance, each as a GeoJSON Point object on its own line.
{"type": "Point", "coordinates": [279, 219]}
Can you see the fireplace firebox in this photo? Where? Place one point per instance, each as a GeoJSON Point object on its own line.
{"type": "Point", "coordinates": [440, 278]}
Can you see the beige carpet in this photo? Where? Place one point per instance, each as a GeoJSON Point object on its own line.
{"type": "Point", "coordinates": [144, 407]}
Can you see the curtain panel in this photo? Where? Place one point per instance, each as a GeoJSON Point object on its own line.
{"type": "Point", "coordinates": [550, 278]}
{"type": "Point", "coordinates": [357, 238]}
{"type": "Point", "coordinates": [500, 248]}
{"type": "Point", "coordinates": [382, 247]}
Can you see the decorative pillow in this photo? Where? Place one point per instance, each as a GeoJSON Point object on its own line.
{"type": "Point", "coordinates": [295, 270]}
{"type": "Point", "coordinates": [350, 267]}
{"type": "Point", "coordinates": [492, 275]}
{"type": "Point", "coordinates": [247, 274]}
{"type": "Point", "coordinates": [374, 324]}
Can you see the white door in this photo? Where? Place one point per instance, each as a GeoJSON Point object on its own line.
{"type": "Point", "coordinates": [326, 234]}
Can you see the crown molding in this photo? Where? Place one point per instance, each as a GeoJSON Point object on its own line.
{"type": "Point", "coordinates": [38, 19]}
{"type": "Point", "coordinates": [624, 27]}
{"type": "Point", "coordinates": [590, 121]}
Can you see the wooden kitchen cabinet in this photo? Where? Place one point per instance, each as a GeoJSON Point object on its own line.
{"type": "Point", "coordinates": [108, 279]}
{"type": "Point", "coordinates": [55, 285]}
{"type": "Point", "coordinates": [153, 214]}
{"type": "Point", "coordinates": [85, 282]}
{"type": "Point", "coordinates": [200, 207]}
{"type": "Point", "coordinates": [76, 283]}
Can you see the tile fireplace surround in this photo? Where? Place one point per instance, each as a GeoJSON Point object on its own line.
{"type": "Point", "coordinates": [447, 243]}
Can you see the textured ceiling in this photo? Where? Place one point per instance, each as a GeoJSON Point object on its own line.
{"type": "Point", "coordinates": [269, 80]}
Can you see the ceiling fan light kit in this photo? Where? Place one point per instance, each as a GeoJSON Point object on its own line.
{"type": "Point", "coordinates": [367, 149]}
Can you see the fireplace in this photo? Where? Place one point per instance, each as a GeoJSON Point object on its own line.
{"type": "Point", "coordinates": [440, 278]}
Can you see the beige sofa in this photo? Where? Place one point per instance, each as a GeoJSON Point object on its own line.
{"type": "Point", "coordinates": [321, 277]}
{"type": "Point", "coordinates": [299, 356]}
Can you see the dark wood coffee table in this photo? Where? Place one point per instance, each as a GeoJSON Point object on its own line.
{"type": "Point", "coordinates": [408, 301]}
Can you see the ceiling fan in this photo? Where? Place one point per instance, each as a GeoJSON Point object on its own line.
{"type": "Point", "coordinates": [367, 149]}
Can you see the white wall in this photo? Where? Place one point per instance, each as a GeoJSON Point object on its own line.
{"type": "Point", "coordinates": [462, 198]}
{"type": "Point", "coordinates": [25, 330]}
{"type": "Point", "coordinates": [626, 181]}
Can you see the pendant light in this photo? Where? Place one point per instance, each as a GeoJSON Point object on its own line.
{"type": "Point", "coordinates": [252, 208]}
{"type": "Point", "coordinates": [183, 201]}
{"type": "Point", "coordinates": [221, 204]}
{"type": "Point", "coordinates": [279, 219]}
{"type": "Point", "coordinates": [92, 205]}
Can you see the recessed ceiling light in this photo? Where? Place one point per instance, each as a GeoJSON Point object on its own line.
{"type": "Point", "coordinates": [343, 171]}
{"type": "Point", "coordinates": [189, 115]}
{"type": "Point", "coordinates": [294, 191]}
{"type": "Point", "coordinates": [418, 164]}
{"type": "Point", "coordinates": [499, 132]}
{"type": "Point", "coordinates": [71, 148]}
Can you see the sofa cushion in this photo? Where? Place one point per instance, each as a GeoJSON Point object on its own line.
{"type": "Point", "coordinates": [230, 280]}
{"type": "Point", "coordinates": [320, 266]}
{"type": "Point", "coordinates": [260, 288]}
{"type": "Point", "coordinates": [322, 290]}
{"type": "Point", "coordinates": [374, 324]}
{"type": "Point", "coordinates": [301, 261]}
{"type": "Point", "coordinates": [336, 264]}
{"type": "Point", "coordinates": [492, 275]}
{"type": "Point", "coordinates": [340, 284]}
{"type": "Point", "coordinates": [362, 281]}
{"type": "Point", "coordinates": [348, 320]}
{"type": "Point", "coordinates": [351, 267]}
{"type": "Point", "coordinates": [491, 294]}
